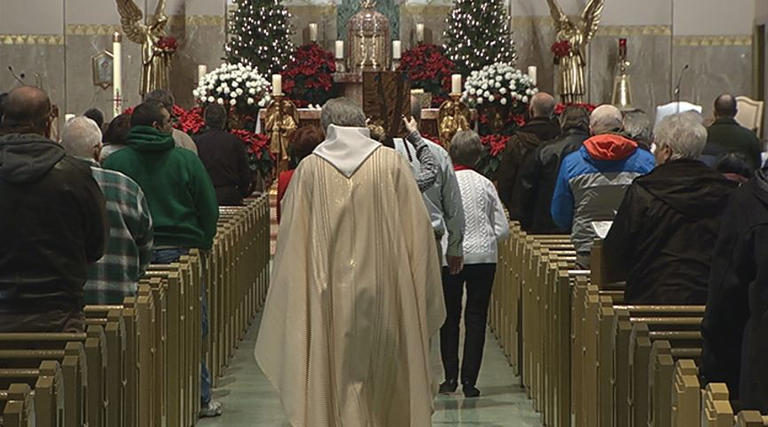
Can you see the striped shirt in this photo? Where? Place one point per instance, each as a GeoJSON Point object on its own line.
{"type": "Point", "coordinates": [129, 246]}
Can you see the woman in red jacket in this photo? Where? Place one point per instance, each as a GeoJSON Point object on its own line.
{"type": "Point", "coordinates": [304, 142]}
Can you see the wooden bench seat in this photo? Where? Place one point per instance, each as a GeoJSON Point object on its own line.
{"type": "Point", "coordinates": [17, 406]}
{"type": "Point", "coordinates": [47, 383]}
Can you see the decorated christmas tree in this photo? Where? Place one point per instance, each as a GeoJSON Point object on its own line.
{"type": "Point", "coordinates": [260, 35]}
{"type": "Point", "coordinates": [477, 34]}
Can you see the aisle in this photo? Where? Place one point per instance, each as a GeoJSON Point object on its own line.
{"type": "Point", "coordinates": [250, 401]}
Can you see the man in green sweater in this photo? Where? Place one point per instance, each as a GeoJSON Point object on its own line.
{"type": "Point", "coordinates": [180, 196]}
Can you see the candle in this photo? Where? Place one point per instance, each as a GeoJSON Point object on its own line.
{"type": "Point", "coordinates": [456, 84]}
{"type": "Point", "coordinates": [397, 49]}
{"type": "Point", "coordinates": [623, 48]}
{"type": "Point", "coordinates": [202, 70]}
{"type": "Point", "coordinates": [277, 85]}
{"type": "Point", "coordinates": [313, 32]}
{"type": "Point", "coordinates": [117, 73]}
{"type": "Point", "coordinates": [419, 33]}
{"type": "Point", "coordinates": [339, 49]}
{"type": "Point", "coordinates": [532, 71]}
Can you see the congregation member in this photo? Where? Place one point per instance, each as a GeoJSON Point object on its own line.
{"type": "Point", "coordinates": [680, 202]}
{"type": "Point", "coordinates": [225, 158]}
{"type": "Point", "coordinates": [726, 135]}
{"type": "Point", "coordinates": [129, 245]}
{"type": "Point", "coordinates": [735, 325]}
{"type": "Point", "coordinates": [592, 180]}
{"type": "Point", "coordinates": [165, 97]}
{"type": "Point", "coordinates": [355, 300]}
{"type": "Point", "coordinates": [116, 136]}
{"type": "Point", "coordinates": [53, 222]}
{"type": "Point", "coordinates": [96, 115]}
{"type": "Point", "coordinates": [443, 198]}
{"type": "Point", "coordinates": [535, 184]}
{"type": "Point", "coordinates": [735, 167]}
{"type": "Point", "coordinates": [180, 196]}
{"type": "Point", "coordinates": [304, 141]}
{"type": "Point", "coordinates": [539, 129]}
{"type": "Point", "coordinates": [638, 127]}
{"type": "Point", "coordinates": [485, 225]}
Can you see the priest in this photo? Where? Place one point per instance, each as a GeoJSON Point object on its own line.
{"type": "Point", "coordinates": [355, 302]}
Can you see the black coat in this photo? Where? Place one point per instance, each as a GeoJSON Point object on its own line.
{"type": "Point", "coordinates": [535, 184]}
{"type": "Point", "coordinates": [735, 326]}
{"type": "Point", "coordinates": [226, 161]}
{"type": "Point", "coordinates": [665, 231]}
{"type": "Point", "coordinates": [726, 135]}
{"type": "Point", "coordinates": [53, 223]}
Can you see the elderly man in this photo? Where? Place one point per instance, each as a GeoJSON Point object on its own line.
{"type": "Point", "coordinates": [592, 181]}
{"type": "Point", "coordinates": [539, 129]}
{"type": "Point", "coordinates": [726, 135]}
{"type": "Point", "coordinates": [638, 128]}
{"type": "Point", "coordinates": [165, 97]}
{"type": "Point", "coordinates": [53, 222]}
{"type": "Point", "coordinates": [129, 246]}
{"type": "Point", "coordinates": [355, 298]}
{"type": "Point", "coordinates": [680, 202]}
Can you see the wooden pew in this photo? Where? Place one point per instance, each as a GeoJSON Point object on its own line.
{"type": "Point", "coordinates": [686, 393]}
{"type": "Point", "coordinates": [751, 419]}
{"type": "Point", "coordinates": [48, 390]}
{"type": "Point", "coordinates": [716, 409]}
{"type": "Point", "coordinates": [110, 318]}
{"type": "Point", "coordinates": [18, 407]}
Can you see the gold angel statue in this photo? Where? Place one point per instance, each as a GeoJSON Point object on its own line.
{"type": "Point", "coordinates": [155, 61]}
{"type": "Point", "coordinates": [578, 34]}
{"type": "Point", "coordinates": [452, 117]}
{"type": "Point", "coordinates": [281, 121]}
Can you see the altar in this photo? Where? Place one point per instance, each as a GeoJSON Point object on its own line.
{"type": "Point", "coordinates": [350, 85]}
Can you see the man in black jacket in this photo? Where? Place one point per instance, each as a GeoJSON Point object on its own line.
{"type": "Point", "coordinates": [726, 135]}
{"type": "Point", "coordinates": [536, 181]}
{"type": "Point", "coordinates": [735, 326]}
{"type": "Point", "coordinates": [225, 158]}
{"type": "Point", "coordinates": [539, 129]}
{"type": "Point", "coordinates": [53, 222]}
{"type": "Point", "coordinates": [666, 227]}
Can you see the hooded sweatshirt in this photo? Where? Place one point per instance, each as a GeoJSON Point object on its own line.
{"type": "Point", "coordinates": [53, 224]}
{"type": "Point", "coordinates": [178, 189]}
{"type": "Point", "coordinates": [664, 233]}
{"type": "Point", "coordinates": [591, 184]}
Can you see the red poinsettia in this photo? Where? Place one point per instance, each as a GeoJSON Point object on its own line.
{"type": "Point", "coordinates": [168, 43]}
{"type": "Point", "coordinates": [190, 121]}
{"type": "Point", "coordinates": [256, 142]}
{"type": "Point", "coordinates": [561, 48]}
{"type": "Point", "coordinates": [495, 143]}
{"type": "Point", "coordinates": [428, 68]}
{"type": "Point", "coordinates": [560, 107]}
{"type": "Point", "coordinates": [308, 79]}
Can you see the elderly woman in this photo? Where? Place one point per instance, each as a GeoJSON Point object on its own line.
{"type": "Point", "coordinates": [662, 237]}
{"type": "Point", "coordinates": [485, 225]}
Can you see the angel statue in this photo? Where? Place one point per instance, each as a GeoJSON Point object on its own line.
{"type": "Point", "coordinates": [578, 35]}
{"type": "Point", "coordinates": [155, 61]}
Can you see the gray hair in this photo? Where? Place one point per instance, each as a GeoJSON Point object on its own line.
{"type": "Point", "coordinates": [80, 136]}
{"type": "Point", "coordinates": [342, 112]}
{"type": "Point", "coordinates": [605, 119]}
{"type": "Point", "coordinates": [683, 135]}
{"type": "Point", "coordinates": [637, 126]}
{"type": "Point", "coordinates": [466, 148]}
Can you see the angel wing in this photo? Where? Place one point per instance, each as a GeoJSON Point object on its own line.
{"type": "Point", "coordinates": [130, 18]}
{"type": "Point", "coordinates": [557, 14]}
{"type": "Point", "coordinates": [160, 17]}
{"type": "Point", "coordinates": [591, 18]}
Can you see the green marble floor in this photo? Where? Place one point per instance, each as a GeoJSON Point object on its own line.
{"type": "Point", "coordinates": [249, 400]}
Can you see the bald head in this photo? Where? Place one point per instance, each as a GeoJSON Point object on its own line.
{"type": "Point", "coordinates": [725, 106]}
{"type": "Point", "coordinates": [605, 119]}
{"type": "Point", "coordinates": [27, 109]}
{"type": "Point", "coordinates": [542, 105]}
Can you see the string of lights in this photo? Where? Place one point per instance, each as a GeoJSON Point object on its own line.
{"type": "Point", "coordinates": [260, 36]}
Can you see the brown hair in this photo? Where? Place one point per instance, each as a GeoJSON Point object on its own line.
{"type": "Point", "coordinates": [304, 142]}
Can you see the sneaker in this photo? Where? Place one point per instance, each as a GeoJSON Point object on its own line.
{"type": "Point", "coordinates": [471, 391]}
{"type": "Point", "coordinates": [449, 386]}
{"type": "Point", "coordinates": [212, 409]}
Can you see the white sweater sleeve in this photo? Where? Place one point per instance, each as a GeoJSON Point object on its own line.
{"type": "Point", "coordinates": [496, 215]}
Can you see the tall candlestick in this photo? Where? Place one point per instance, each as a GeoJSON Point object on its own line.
{"type": "Point", "coordinates": [397, 49]}
{"type": "Point", "coordinates": [419, 33]}
{"type": "Point", "coordinates": [456, 84]}
{"type": "Point", "coordinates": [532, 73]}
{"type": "Point", "coordinates": [313, 32]}
{"type": "Point", "coordinates": [277, 85]}
{"type": "Point", "coordinates": [339, 49]}
{"type": "Point", "coordinates": [202, 70]}
{"type": "Point", "coordinates": [117, 74]}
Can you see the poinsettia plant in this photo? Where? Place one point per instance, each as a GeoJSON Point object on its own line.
{"type": "Point", "coordinates": [429, 69]}
{"type": "Point", "coordinates": [501, 94]}
{"type": "Point", "coordinates": [560, 107]}
{"type": "Point", "coordinates": [167, 44]}
{"type": "Point", "coordinates": [493, 146]}
{"type": "Point", "coordinates": [308, 79]}
{"type": "Point", "coordinates": [238, 86]}
{"type": "Point", "coordinates": [560, 49]}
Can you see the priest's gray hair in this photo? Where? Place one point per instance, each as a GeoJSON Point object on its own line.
{"type": "Point", "coordinates": [683, 134]}
{"type": "Point", "coordinates": [342, 112]}
{"type": "Point", "coordinates": [605, 119]}
{"type": "Point", "coordinates": [466, 148]}
{"type": "Point", "coordinates": [80, 136]}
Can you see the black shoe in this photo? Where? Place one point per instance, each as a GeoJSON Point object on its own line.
{"type": "Point", "coordinates": [449, 386]}
{"type": "Point", "coordinates": [471, 391]}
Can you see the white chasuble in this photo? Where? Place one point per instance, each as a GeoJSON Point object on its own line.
{"type": "Point", "coordinates": [355, 301]}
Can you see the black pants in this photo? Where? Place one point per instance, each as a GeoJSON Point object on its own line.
{"type": "Point", "coordinates": [479, 280]}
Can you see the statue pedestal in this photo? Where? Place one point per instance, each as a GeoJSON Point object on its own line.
{"type": "Point", "coordinates": [351, 85]}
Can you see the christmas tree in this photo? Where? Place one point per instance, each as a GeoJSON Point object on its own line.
{"type": "Point", "coordinates": [260, 35]}
{"type": "Point", "coordinates": [477, 34]}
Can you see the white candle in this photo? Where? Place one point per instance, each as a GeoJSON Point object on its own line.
{"type": "Point", "coordinates": [456, 84]}
{"type": "Point", "coordinates": [397, 49]}
{"type": "Point", "coordinates": [277, 85]}
{"type": "Point", "coordinates": [532, 71]}
{"type": "Point", "coordinates": [339, 49]}
{"type": "Point", "coordinates": [419, 33]}
{"type": "Point", "coordinates": [313, 32]}
{"type": "Point", "coordinates": [202, 70]}
{"type": "Point", "coordinates": [117, 74]}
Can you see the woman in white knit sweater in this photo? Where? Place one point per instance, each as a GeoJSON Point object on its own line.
{"type": "Point", "coordinates": [485, 225]}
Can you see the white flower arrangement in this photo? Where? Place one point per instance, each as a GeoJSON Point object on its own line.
{"type": "Point", "coordinates": [235, 84]}
{"type": "Point", "coordinates": [500, 83]}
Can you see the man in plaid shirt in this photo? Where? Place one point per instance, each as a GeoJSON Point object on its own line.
{"type": "Point", "coordinates": [129, 246]}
